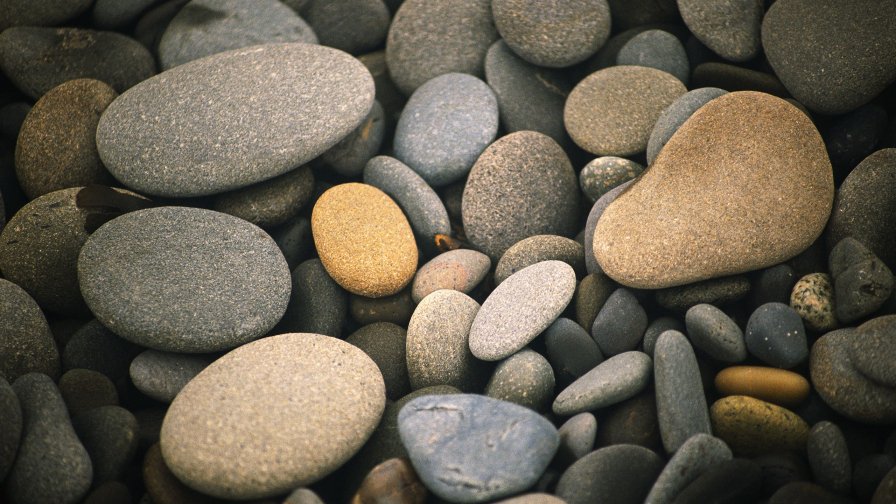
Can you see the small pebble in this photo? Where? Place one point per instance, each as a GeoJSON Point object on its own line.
{"type": "Point", "coordinates": [391, 481]}
{"type": "Point", "coordinates": [675, 115]}
{"type": "Point", "coordinates": [84, 390]}
{"type": "Point", "coordinates": [524, 378]}
{"type": "Point", "coordinates": [571, 351]}
{"type": "Point", "coordinates": [161, 375]}
{"type": "Point", "coordinates": [614, 380]}
{"type": "Point", "coordinates": [536, 249]}
{"type": "Point", "coordinates": [775, 335]}
{"type": "Point", "coordinates": [272, 202]}
{"type": "Point", "coordinates": [656, 49]}
{"type": "Point", "coordinates": [396, 308]}
{"type": "Point", "coordinates": [349, 25]}
{"type": "Point", "coordinates": [620, 323]}
{"type": "Point", "coordinates": [813, 299]}
{"type": "Point", "coordinates": [712, 331]}
{"type": "Point", "coordinates": [461, 270]}
{"type": "Point", "coordinates": [774, 385]}
{"type": "Point", "coordinates": [633, 421]}
{"type": "Point", "coordinates": [730, 27]}
{"type": "Point", "coordinates": [109, 434]}
{"type": "Point", "coordinates": [385, 343]}
{"type": "Point", "coordinates": [657, 327]}
{"type": "Point", "coordinates": [734, 480]}
{"type": "Point", "coordinates": [26, 343]}
{"type": "Point", "coordinates": [317, 303]}
{"type": "Point", "coordinates": [715, 291]}
{"type": "Point", "coordinates": [591, 295]}
{"type": "Point", "coordinates": [828, 456]}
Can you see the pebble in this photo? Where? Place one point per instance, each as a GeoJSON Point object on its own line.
{"type": "Point", "coordinates": [522, 185]}
{"type": "Point", "coordinates": [161, 375]}
{"type": "Point", "coordinates": [530, 98]}
{"type": "Point", "coordinates": [612, 111]}
{"type": "Point", "coordinates": [675, 115]}
{"type": "Point", "coordinates": [521, 308]}
{"type": "Point", "coordinates": [56, 146]}
{"type": "Point", "coordinates": [52, 464]}
{"type": "Point", "coordinates": [620, 474]}
{"type": "Point", "coordinates": [219, 442]}
{"type": "Point", "coordinates": [773, 385]}
{"type": "Point", "coordinates": [712, 331]}
{"type": "Point", "coordinates": [612, 381]}
{"type": "Point", "coordinates": [862, 282]}
{"type": "Point", "coordinates": [737, 78]}
{"type": "Point", "coordinates": [40, 13]}
{"type": "Point", "coordinates": [715, 291]}
{"type": "Point", "coordinates": [700, 453]}
{"type": "Point", "coordinates": [657, 327]}
{"type": "Point", "coordinates": [93, 346]}
{"type": "Point", "coordinates": [730, 28]}
{"type": "Point", "coordinates": [633, 421]}
{"type": "Point", "coordinates": [207, 281]}
{"type": "Point", "coordinates": [151, 25]}
{"type": "Point", "coordinates": [649, 242]}
{"type": "Point", "coordinates": [30, 57]}
{"type": "Point", "coordinates": [385, 343]}
{"type": "Point", "coordinates": [852, 137]}
{"type": "Point", "coordinates": [813, 300]}
{"type": "Point", "coordinates": [86, 389]}
{"type": "Point", "coordinates": [525, 378]}
{"type": "Point", "coordinates": [734, 480]}
{"type": "Point", "coordinates": [597, 210]}
{"type": "Point", "coordinates": [620, 323]}
{"type": "Point", "coordinates": [163, 487]}
{"type": "Point", "coordinates": [160, 138]}
{"type": "Point", "coordinates": [397, 308]}
{"type": "Point", "coordinates": [571, 351]}
{"type": "Point", "coordinates": [206, 27]}
{"type": "Point", "coordinates": [680, 403]}
{"type": "Point", "coordinates": [471, 448]}
{"type": "Point", "coordinates": [556, 35]}
{"type": "Point", "coordinates": [351, 154]}
{"type": "Point", "coordinates": [656, 49]}
{"type": "Point", "coordinates": [828, 456]}
{"type": "Point", "coordinates": [11, 413]}
{"type": "Point", "coordinates": [753, 427]}
{"type": "Point", "coordinates": [872, 349]}
{"type": "Point", "coordinates": [774, 285]}
{"type": "Point", "coordinates": [869, 472]}
{"type": "Point", "coordinates": [445, 126]}
{"type": "Point", "coordinates": [109, 434]}
{"type": "Point", "coordinates": [391, 481]}
{"type": "Point", "coordinates": [295, 241]}
{"type": "Point", "coordinates": [117, 15]}
{"type": "Point", "coordinates": [438, 352]}
{"type": "Point", "coordinates": [602, 174]}
{"type": "Point", "coordinates": [364, 240]}
{"type": "Point", "coordinates": [428, 39]}
{"type": "Point", "coordinates": [352, 26]}
{"type": "Point", "coordinates": [461, 270]}
{"type": "Point", "coordinates": [536, 249]}
{"type": "Point", "coordinates": [26, 343]}
{"type": "Point", "coordinates": [591, 295]}
{"type": "Point", "coordinates": [577, 437]}
{"type": "Point", "coordinates": [799, 38]}
{"type": "Point", "coordinates": [776, 336]}
{"type": "Point", "coordinates": [317, 304]}
{"type": "Point", "coordinates": [272, 202]}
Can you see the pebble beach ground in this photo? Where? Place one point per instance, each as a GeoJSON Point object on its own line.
{"type": "Point", "coordinates": [398, 252]}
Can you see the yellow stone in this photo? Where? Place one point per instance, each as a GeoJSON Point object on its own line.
{"type": "Point", "coordinates": [752, 427]}
{"type": "Point", "coordinates": [774, 385]}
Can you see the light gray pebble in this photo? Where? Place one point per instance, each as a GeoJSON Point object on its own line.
{"type": "Point", "coordinates": [612, 381]}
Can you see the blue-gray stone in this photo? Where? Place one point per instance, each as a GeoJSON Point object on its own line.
{"type": "Point", "coordinates": [775, 334]}
{"type": "Point", "coordinates": [571, 350]}
{"type": "Point", "coordinates": [161, 375]}
{"type": "Point", "coordinates": [675, 115]}
{"type": "Point", "coordinates": [471, 448]}
{"type": "Point", "coordinates": [699, 453]}
{"type": "Point", "coordinates": [349, 157]}
{"type": "Point", "coordinates": [597, 210]}
{"type": "Point", "coordinates": [620, 323]}
{"type": "Point", "coordinates": [612, 381]}
{"type": "Point", "coordinates": [712, 331]}
{"type": "Point", "coordinates": [109, 434]}
{"type": "Point", "coordinates": [444, 127]}
{"type": "Point", "coordinates": [656, 49]}
{"type": "Point", "coordinates": [621, 474]}
{"type": "Point", "coordinates": [680, 403]}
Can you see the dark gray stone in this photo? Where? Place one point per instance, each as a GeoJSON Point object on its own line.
{"type": "Point", "coordinates": [680, 403]}
{"type": "Point", "coordinates": [350, 25]}
{"type": "Point", "coordinates": [659, 326]}
{"type": "Point", "coordinates": [656, 49]}
{"type": "Point", "coordinates": [117, 14]}
{"type": "Point", "coordinates": [829, 457]}
{"type": "Point", "coordinates": [712, 331]}
{"type": "Point", "coordinates": [620, 324]}
{"type": "Point", "coordinates": [715, 291]}
{"type": "Point", "coordinates": [612, 381]}
{"type": "Point", "coordinates": [95, 347]}
{"type": "Point", "coordinates": [571, 351]}
{"type": "Point", "coordinates": [272, 202]}
{"type": "Point", "coordinates": [775, 334]}
{"type": "Point", "coordinates": [461, 270]}
{"type": "Point", "coordinates": [675, 115]}
{"type": "Point", "coordinates": [869, 471]}
{"type": "Point", "coordinates": [11, 434]}
{"type": "Point", "coordinates": [852, 137]}
{"type": "Point", "coordinates": [736, 78]}
{"type": "Point", "coordinates": [317, 304]}
{"type": "Point", "coordinates": [396, 308]}
{"type": "Point", "coordinates": [577, 437]}
{"type": "Point", "coordinates": [470, 448]}
{"type": "Point", "coordinates": [166, 135]}
{"type": "Point", "coordinates": [109, 434]}
{"type": "Point", "coordinates": [729, 27]}
{"type": "Point", "coordinates": [295, 241]}
{"type": "Point", "coordinates": [40, 12]}
{"type": "Point", "coordinates": [207, 281]}
{"type": "Point", "coordinates": [773, 285]}
{"type": "Point", "coordinates": [524, 378]}
{"type": "Point", "coordinates": [536, 249]}
{"type": "Point", "coordinates": [632, 421]}
{"type": "Point", "coordinates": [601, 175]}
{"type": "Point", "coordinates": [26, 343]}
{"type": "Point", "coordinates": [591, 294]}
{"type": "Point", "coordinates": [846, 254]}
{"type": "Point", "coordinates": [872, 350]}
{"type": "Point", "coordinates": [735, 480]}
{"type": "Point", "coordinates": [161, 375]}
{"type": "Point", "coordinates": [349, 157]}
{"type": "Point", "coordinates": [697, 455]}
{"type": "Point", "coordinates": [862, 282]}
{"type": "Point", "coordinates": [86, 389]}
{"type": "Point", "coordinates": [151, 25]}
{"type": "Point", "coordinates": [621, 474]}
{"type": "Point", "coordinates": [386, 344]}
{"type": "Point", "coordinates": [597, 210]}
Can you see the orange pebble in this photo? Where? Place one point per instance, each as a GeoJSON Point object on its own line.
{"type": "Point", "coordinates": [774, 385]}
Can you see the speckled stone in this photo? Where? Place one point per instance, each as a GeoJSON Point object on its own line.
{"type": "Point", "coordinates": [26, 343]}
{"type": "Point", "coordinates": [522, 185]}
{"type": "Point", "coordinates": [680, 403]}
{"type": "Point", "coordinates": [614, 380]}
{"type": "Point", "coordinates": [109, 434]}
{"type": "Point", "coordinates": [525, 378]}
{"type": "Point", "coordinates": [603, 174]}
{"type": "Point", "coordinates": [471, 448]}
{"type": "Point", "coordinates": [620, 474]}
{"type": "Point", "coordinates": [812, 298]}
{"type": "Point", "coordinates": [317, 303]}
{"type": "Point", "coordinates": [862, 282]}
{"type": "Point", "coordinates": [461, 270]}
{"type": "Point", "coordinates": [56, 146]}
{"type": "Point", "coordinates": [620, 323]}
{"type": "Point", "coordinates": [769, 384]}
{"type": "Point", "coordinates": [95, 347]}
{"type": "Point", "coordinates": [161, 375]}
{"type": "Point", "coordinates": [425, 211]}
{"type": "Point", "coordinates": [521, 308]}
{"type": "Point", "coordinates": [612, 111]}
{"type": "Point", "coordinates": [594, 216]}
{"type": "Point", "coordinates": [32, 57]}
{"type": "Point", "coordinates": [530, 98]}
{"type": "Point", "coordinates": [157, 138]}
{"type": "Point", "coordinates": [656, 327]}
{"type": "Point", "coordinates": [753, 427]}
{"type": "Point", "coordinates": [776, 336]}
{"type": "Point", "coordinates": [438, 352]}
{"type": "Point", "coordinates": [396, 308]}
{"type": "Point", "coordinates": [577, 437]}
{"type": "Point", "coordinates": [675, 115]}
{"type": "Point", "coordinates": [829, 457]}
{"type": "Point", "coordinates": [872, 350]}
{"type": "Point", "coordinates": [445, 126]}
{"type": "Point", "coordinates": [386, 344]}
{"type": "Point", "coordinates": [428, 39]}
{"type": "Point", "coordinates": [208, 281]}
{"type": "Point", "coordinates": [246, 428]}
{"type": "Point", "coordinates": [712, 331]}
{"type": "Point", "coordinates": [705, 224]}
{"type": "Point", "coordinates": [40, 13]}
{"type": "Point", "coordinates": [656, 49]}
{"type": "Point", "coordinates": [715, 291]}
{"type": "Point", "coordinates": [349, 157]}
{"type": "Point", "coordinates": [364, 240]}
{"type": "Point", "coordinates": [591, 294]}
{"type": "Point", "coordinates": [205, 27]}
{"type": "Point", "coordinates": [350, 25]}
{"type": "Point", "coordinates": [11, 413]}
{"type": "Point", "coordinates": [697, 455]}
{"type": "Point", "coordinates": [570, 350]}
{"type": "Point", "coordinates": [730, 28]}
{"type": "Point", "coordinates": [824, 63]}
{"type": "Point", "coordinates": [536, 249]}
{"type": "Point", "coordinates": [269, 203]}
{"type": "Point", "coordinates": [86, 389]}
{"type": "Point", "coordinates": [117, 15]}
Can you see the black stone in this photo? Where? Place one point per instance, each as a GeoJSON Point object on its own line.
{"type": "Point", "coordinates": [731, 481]}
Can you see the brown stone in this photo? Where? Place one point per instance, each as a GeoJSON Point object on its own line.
{"type": "Point", "coordinates": [774, 385]}
{"type": "Point", "coordinates": [753, 427]}
{"type": "Point", "coordinates": [391, 482]}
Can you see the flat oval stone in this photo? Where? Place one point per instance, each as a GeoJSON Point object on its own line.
{"type": "Point", "coordinates": [712, 331]}
{"type": "Point", "coordinates": [612, 111]}
{"type": "Point", "coordinates": [730, 27]}
{"type": "Point", "coordinates": [680, 403]}
{"type": "Point", "coordinates": [246, 427]}
{"type": "Point", "coordinates": [461, 270]}
{"type": "Point", "coordinates": [774, 385]}
{"type": "Point", "coordinates": [472, 448]}
{"type": "Point", "coordinates": [525, 378]}
{"type": "Point", "coordinates": [613, 380]}
{"type": "Point", "coordinates": [577, 437]}
{"type": "Point", "coordinates": [26, 343]}
{"type": "Point", "coordinates": [161, 375]}
{"type": "Point", "coordinates": [675, 115]}
{"type": "Point", "coordinates": [705, 223]}
{"type": "Point", "coordinates": [184, 279]}
{"type": "Point", "coordinates": [753, 427]}
{"type": "Point", "coordinates": [829, 457]}
{"type": "Point", "coordinates": [697, 455]}
{"type": "Point", "coordinates": [656, 49]}
{"type": "Point", "coordinates": [620, 474]}
{"type": "Point", "coordinates": [166, 135]}
{"type": "Point", "coordinates": [775, 335]}
{"type": "Point", "coordinates": [364, 240]}
{"type": "Point", "coordinates": [536, 249]}
{"type": "Point", "coordinates": [521, 308]}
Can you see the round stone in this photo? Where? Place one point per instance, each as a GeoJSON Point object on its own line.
{"type": "Point", "coordinates": [612, 381]}
{"type": "Point", "coordinates": [621, 474]}
{"type": "Point", "coordinates": [675, 115]}
{"type": "Point", "coordinates": [730, 27]}
{"type": "Point", "coordinates": [752, 427]}
{"type": "Point", "coordinates": [656, 49]}
{"type": "Point", "coordinates": [698, 454]}
{"type": "Point", "coordinates": [774, 385]}
{"type": "Point", "coordinates": [86, 389]}
{"type": "Point", "coordinates": [712, 331]}
{"type": "Point", "coordinates": [246, 428]}
{"type": "Point", "coordinates": [166, 135]}
{"type": "Point", "coordinates": [775, 335]}
{"type": "Point", "coordinates": [680, 402]}
{"type": "Point", "coordinates": [861, 289]}
{"type": "Point", "coordinates": [161, 375]}
{"type": "Point", "coordinates": [612, 111]}
{"type": "Point", "coordinates": [601, 175]}
{"type": "Point", "coordinates": [525, 378]}
{"type": "Point", "coordinates": [364, 240]}
{"type": "Point", "coordinates": [272, 202]}
{"type": "Point", "coordinates": [812, 298]}
{"type": "Point", "coordinates": [620, 323]}
{"type": "Point", "coordinates": [26, 343]}
{"type": "Point", "coordinates": [109, 434]}
{"type": "Point", "coordinates": [461, 270]}
{"type": "Point", "coordinates": [317, 304]}
{"type": "Point", "coordinates": [386, 344]}
{"type": "Point", "coordinates": [350, 25]}
{"type": "Point", "coordinates": [184, 279]}
{"type": "Point", "coordinates": [536, 249]}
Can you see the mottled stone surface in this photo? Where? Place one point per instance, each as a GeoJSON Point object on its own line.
{"type": "Point", "coordinates": [753, 427]}
{"type": "Point", "coordinates": [461, 270]}
{"type": "Point", "coordinates": [26, 343]}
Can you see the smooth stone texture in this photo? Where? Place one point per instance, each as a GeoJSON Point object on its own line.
{"type": "Point", "coordinates": [752, 427]}
{"type": "Point", "coordinates": [461, 270]}
{"type": "Point", "coordinates": [577, 437]}
{"type": "Point", "coordinates": [522, 185]}
{"type": "Point", "coordinates": [773, 285]}
{"type": "Point", "coordinates": [349, 157]}
{"type": "Point", "coordinates": [317, 304]}
{"type": "Point", "coordinates": [521, 308]}
{"type": "Point", "coordinates": [156, 137]}
{"type": "Point", "coordinates": [536, 249]}
{"type": "Point", "coordinates": [218, 432]}
{"type": "Point", "coordinates": [633, 421]}
{"type": "Point", "coordinates": [715, 291]}
{"type": "Point", "coordinates": [11, 434]}
{"type": "Point", "coordinates": [208, 281]}
{"type": "Point", "coordinates": [812, 298]}
{"type": "Point", "coordinates": [597, 210]}
{"type": "Point", "coordinates": [40, 13]}
{"type": "Point", "coordinates": [93, 346]}
{"type": "Point", "coordinates": [109, 434]}
{"type": "Point", "coordinates": [118, 14]}
{"type": "Point", "coordinates": [601, 175]}
{"type": "Point", "coordinates": [829, 457]}
{"type": "Point", "coordinates": [350, 25]}
{"type": "Point", "coordinates": [397, 308]}
{"type": "Point", "coordinates": [525, 378]}
{"type": "Point", "coordinates": [56, 146]}
{"type": "Point", "coordinates": [530, 98]}
{"type": "Point", "coordinates": [591, 294]}
{"type": "Point", "coordinates": [862, 282]}
{"type": "Point", "coordinates": [26, 343]}
{"type": "Point", "coordinates": [825, 64]}
{"type": "Point", "coordinates": [712, 331]}
{"type": "Point", "coordinates": [558, 34]}
{"type": "Point", "coordinates": [657, 327]}
{"type": "Point", "coordinates": [86, 389]}
{"type": "Point", "coordinates": [736, 480]}
{"type": "Point", "coordinates": [470, 448]}
{"type": "Point", "coordinates": [295, 241]}
{"type": "Point", "coordinates": [620, 474]}
{"type": "Point", "coordinates": [33, 58]}
{"type": "Point", "coordinates": [445, 126]}
{"type": "Point", "coordinates": [774, 385]}
{"type": "Point", "coordinates": [163, 487]}
{"type": "Point", "coordinates": [570, 350]}
{"type": "Point", "coordinates": [872, 350]}
{"type": "Point", "coordinates": [698, 454]}
{"type": "Point", "coordinates": [35, 477]}
{"type": "Point", "coordinates": [161, 375]}
{"type": "Point", "coordinates": [706, 223]}
{"type": "Point", "coordinates": [428, 39]}
{"type": "Point", "coordinates": [612, 111]}
{"type": "Point", "coordinates": [272, 202]}
{"type": "Point", "coordinates": [386, 343]}
{"type": "Point", "coordinates": [438, 351]}
{"type": "Point", "coordinates": [614, 380]}
{"type": "Point", "coordinates": [730, 27]}
{"type": "Point", "coordinates": [775, 335]}
{"type": "Point", "coordinates": [675, 115]}
{"type": "Point", "coordinates": [656, 49]}
{"type": "Point", "coordinates": [680, 403]}
{"type": "Point", "coordinates": [364, 240]}
{"type": "Point", "coordinates": [620, 323]}
{"type": "Point", "coordinates": [206, 27]}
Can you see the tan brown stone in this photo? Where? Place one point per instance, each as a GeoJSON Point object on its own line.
{"type": "Point", "coordinates": [391, 482]}
{"type": "Point", "coordinates": [753, 427]}
{"type": "Point", "coordinates": [774, 385]}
